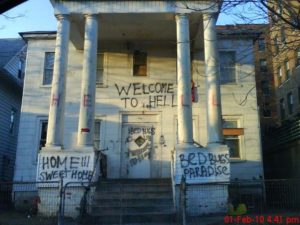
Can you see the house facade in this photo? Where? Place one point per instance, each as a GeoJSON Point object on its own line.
{"type": "Point", "coordinates": [12, 63]}
{"type": "Point", "coordinates": [141, 81]}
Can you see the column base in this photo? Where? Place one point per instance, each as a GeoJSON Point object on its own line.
{"type": "Point", "coordinates": [206, 171]}
{"type": "Point", "coordinates": [52, 148]}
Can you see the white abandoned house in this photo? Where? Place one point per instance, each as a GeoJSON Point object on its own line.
{"type": "Point", "coordinates": [143, 80]}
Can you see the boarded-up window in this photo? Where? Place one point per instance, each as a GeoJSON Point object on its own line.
{"type": "Point", "coordinates": [48, 68]}
{"type": "Point", "coordinates": [139, 63]}
{"type": "Point", "coordinates": [227, 67]}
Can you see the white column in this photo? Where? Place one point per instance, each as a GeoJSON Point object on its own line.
{"type": "Point", "coordinates": [57, 101]}
{"type": "Point", "coordinates": [184, 98]}
{"type": "Point", "coordinates": [88, 86]}
{"type": "Point", "coordinates": [213, 96]}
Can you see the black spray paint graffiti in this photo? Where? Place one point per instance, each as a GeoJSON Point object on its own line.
{"type": "Point", "coordinates": [139, 144]}
{"type": "Point", "coordinates": [68, 167]}
{"type": "Point", "coordinates": [159, 95]}
{"type": "Point", "coordinates": [199, 164]}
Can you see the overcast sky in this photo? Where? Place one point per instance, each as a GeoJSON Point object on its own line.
{"type": "Point", "coordinates": [37, 15]}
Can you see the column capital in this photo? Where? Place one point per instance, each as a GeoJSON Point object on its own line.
{"type": "Point", "coordinates": [91, 16]}
{"type": "Point", "coordinates": [179, 16]}
{"type": "Point", "coordinates": [62, 16]}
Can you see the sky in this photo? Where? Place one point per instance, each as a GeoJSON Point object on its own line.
{"type": "Point", "coordinates": [38, 15]}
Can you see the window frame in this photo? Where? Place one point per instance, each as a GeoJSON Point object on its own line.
{"type": "Point", "coordinates": [297, 63]}
{"type": "Point", "coordinates": [282, 109]}
{"type": "Point", "coordinates": [45, 68]}
{"type": "Point", "coordinates": [290, 102]}
{"type": "Point", "coordinates": [12, 121]}
{"type": "Point", "coordinates": [263, 67]}
{"type": "Point", "coordinates": [239, 134]}
{"type": "Point", "coordinates": [234, 67]}
{"type": "Point", "coordinates": [135, 64]}
{"type": "Point", "coordinates": [287, 69]}
{"type": "Point", "coordinates": [38, 132]}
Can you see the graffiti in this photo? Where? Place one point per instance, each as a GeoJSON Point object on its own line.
{"type": "Point", "coordinates": [139, 144]}
{"type": "Point", "coordinates": [159, 95]}
{"type": "Point", "coordinates": [69, 167]}
{"type": "Point", "coordinates": [87, 100]}
{"type": "Point", "coordinates": [204, 164]}
{"type": "Point", "coordinates": [54, 100]}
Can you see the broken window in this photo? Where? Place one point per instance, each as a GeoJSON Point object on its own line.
{"type": "Point", "coordinates": [139, 63]}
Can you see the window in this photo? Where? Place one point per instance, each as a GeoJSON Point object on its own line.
{"type": "Point", "coordinates": [265, 88]}
{"type": "Point", "coordinates": [12, 123]}
{"type": "Point", "coordinates": [282, 33]}
{"type": "Point", "coordinates": [290, 99]}
{"type": "Point", "coordinates": [227, 67]}
{"type": "Point", "coordinates": [43, 133]}
{"type": "Point", "coordinates": [261, 44]}
{"type": "Point", "coordinates": [298, 95]}
{"type": "Point", "coordinates": [298, 57]}
{"type": "Point", "coordinates": [266, 110]}
{"type": "Point", "coordinates": [139, 63]}
{"type": "Point", "coordinates": [287, 69]}
{"type": "Point", "coordinates": [263, 65]}
{"type": "Point", "coordinates": [282, 108]}
{"type": "Point", "coordinates": [48, 68]}
{"type": "Point", "coordinates": [276, 45]}
{"type": "Point", "coordinates": [100, 70]}
{"type": "Point", "coordinates": [279, 75]}
{"type": "Point", "coordinates": [232, 137]}
{"type": "Point", "coordinates": [21, 69]}
{"type": "Point", "coordinates": [97, 127]}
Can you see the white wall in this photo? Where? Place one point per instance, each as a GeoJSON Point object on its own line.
{"type": "Point", "coordinates": [110, 107]}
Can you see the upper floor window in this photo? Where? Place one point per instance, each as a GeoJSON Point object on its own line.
{"type": "Point", "coordinates": [265, 87]}
{"type": "Point", "coordinates": [232, 137]}
{"type": "Point", "coordinates": [261, 44]}
{"type": "Point", "coordinates": [266, 110]}
{"type": "Point", "coordinates": [279, 75]}
{"type": "Point", "coordinates": [282, 108]}
{"type": "Point", "coordinates": [287, 69]}
{"type": "Point", "coordinates": [298, 57]}
{"type": "Point", "coordinates": [263, 65]}
{"type": "Point", "coordinates": [100, 70]}
{"type": "Point", "coordinates": [227, 67]}
{"type": "Point", "coordinates": [21, 68]}
{"type": "Point", "coordinates": [12, 123]}
{"type": "Point", "coordinates": [139, 63]}
{"type": "Point", "coordinates": [290, 99]}
{"type": "Point", "coordinates": [48, 68]}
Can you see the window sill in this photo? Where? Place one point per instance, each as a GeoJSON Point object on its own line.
{"type": "Point", "coordinates": [45, 86]}
{"type": "Point", "coordinates": [237, 160]}
{"type": "Point", "coordinates": [101, 86]}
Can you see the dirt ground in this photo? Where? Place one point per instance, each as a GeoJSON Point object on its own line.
{"type": "Point", "coordinates": [18, 218]}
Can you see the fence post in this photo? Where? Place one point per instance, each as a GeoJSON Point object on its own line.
{"type": "Point", "coordinates": [61, 203]}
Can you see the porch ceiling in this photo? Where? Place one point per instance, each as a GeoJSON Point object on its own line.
{"type": "Point", "coordinates": [124, 28]}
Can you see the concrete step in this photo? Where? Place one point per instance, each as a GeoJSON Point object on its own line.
{"type": "Point", "coordinates": [153, 218]}
{"type": "Point", "coordinates": [137, 195]}
{"type": "Point", "coordinates": [104, 188]}
{"type": "Point", "coordinates": [140, 210]}
{"type": "Point", "coordinates": [133, 202]}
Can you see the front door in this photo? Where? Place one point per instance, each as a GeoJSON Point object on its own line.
{"type": "Point", "coordinates": [139, 149]}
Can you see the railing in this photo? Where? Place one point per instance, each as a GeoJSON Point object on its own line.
{"type": "Point", "coordinates": [247, 197]}
{"type": "Point", "coordinates": [100, 165]}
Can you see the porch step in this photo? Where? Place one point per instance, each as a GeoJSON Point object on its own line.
{"type": "Point", "coordinates": [132, 201]}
